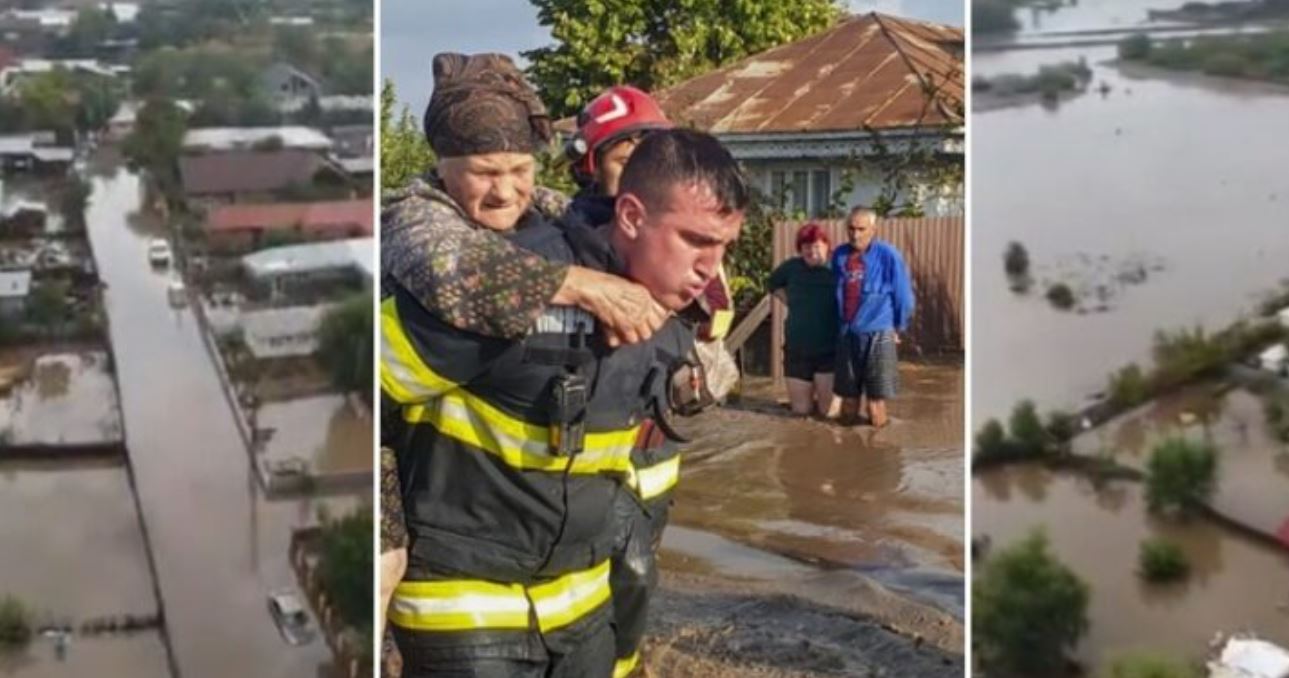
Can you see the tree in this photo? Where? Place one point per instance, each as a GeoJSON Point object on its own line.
{"type": "Point", "coordinates": [993, 16]}
{"type": "Point", "coordinates": [1016, 260]}
{"type": "Point", "coordinates": [48, 304]}
{"type": "Point", "coordinates": [1128, 387]}
{"type": "Point", "coordinates": [1028, 609]}
{"type": "Point", "coordinates": [73, 200]}
{"type": "Point", "coordinates": [344, 344]}
{"type": "Point", "coordinates": [1027, 430]}
{"type": "Point", "coordinates": [1183, 474]}
{"type": "Point", "coordinates": [1061, 296]}
{"type": "Point", "coordinates": [15, 623]}
{"type": "Point", "coordinates": [156, 142]}
{"type": "Point", "coordinates": [1149, 666]}
{"type": "Point", "coordinates": [346, 567]}
{"type": "Point", "coordinates": [656, 43]}
{"type": "Point", "coordinates": [90, 28]}
{"type": "Point", "coordinates": [1135, 47]}
{"type": "Point", "coordinates": [404, 153]}
{"type": "Point", "coordinates": [1160, 560]}
{"type": "Point", "coordinates": [991, 441]}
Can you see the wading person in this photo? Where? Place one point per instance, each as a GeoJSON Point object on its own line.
{"type": "Point", "coordinates": [517, 450]}
{"type": "Point", "coordinates": [875, 298]}
{"type": "Point", "coordinates": [806, 285]}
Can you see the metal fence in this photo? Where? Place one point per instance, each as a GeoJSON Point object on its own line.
{"type": "Point", "coordinates": [934, 251]}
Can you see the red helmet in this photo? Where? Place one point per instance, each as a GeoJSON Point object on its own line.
{"type": "Point", "coordinates": [617, 114]}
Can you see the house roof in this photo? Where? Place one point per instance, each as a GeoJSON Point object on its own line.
{"type": "Point", "coordinates": [356, 253]}
{"type": "Point", "coordinates": [869, 71]}
{"type": "Point", "coordinates": [230, 138]}
{"type": "Point", "coordinates": [14, 284]}
{"type": "Point", "coordinates": [308, 216]}
{"type": "Point", "coordinates": [247, 171]}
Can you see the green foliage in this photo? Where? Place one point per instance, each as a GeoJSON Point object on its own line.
{"type": "Point", "coordinates": [15, 623]}
{"type": "Point", "coordinates": [656, 43]}
{"type": "Point", "coordinates": [1016, 260]}
{"type": "Point", "coordinates": [1027, 429]}
{"type": "Point", "coordinates": [404, 153]}
{"type": "Point", "coordinates": [1061, 296]}
{"type": "Point", "coordinates": [156, 142]}
{"type": "Point", "coordinates": [1128, 387]}
{"type": "Point", "coordinates": [1050, 81]}
{"type": "Point", "coordinates": [1029, 436]}
{"type": "Point", "coordinates": [1135, 47]}
{"type": "Point", "coordinates": [64, 102]}
{"type": "Point", "coordinates": [90, 28]}
{"type": "Point", "coordinates": [1150, 666]}
{"type": "Point", "coordinates": [1028, 610]}
{"type": "Point", "coordinates": [1182, 475]}
{"type": "Point", "coordinates": [1161, 560]}
{"type": "Point", "coordinates": [991, 441]}
{"type": "Point", "coordinates": [1263, 56]}
{"type": "Point", "coordinates": [1184, 354]}
{"type": "Point", "coordinates": [1275, 407]}
{"type": "Point", "coordinates": [48, 304]}
{"type": "Point", "coordinates": [346, 567]}
{"type": "Point", "coordinates": [73, 198]}
{"type": "Point", "coordinates": [993, 16]}
{"type": "Point", "coordinates": [1061, 426]}
{"type": "Point", "coordinates": [205, 72]}
{"type": "Point", "coordinates": [345, 344]}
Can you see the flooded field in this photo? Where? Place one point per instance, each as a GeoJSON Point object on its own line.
{"type": "Point", "coordinates": [76, 514]}
{"type": "Point", "coordinates": [1112, 178]}
{"type": "Point", "coordinates": [323, 430]}
{"type": "Point", "coordinates": [888, 504]}
{"type": "Point", "coordinates": [62, 399]}
{"type": "Point", "coordinates": [1237, 583]}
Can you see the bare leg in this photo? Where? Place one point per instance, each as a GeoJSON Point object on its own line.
{"type": "Point", "coordinates": [850, 410]}
{"type": "Point", "coordinates": [877, 413]}
{"type": "Point", "coordinates": [800, 396]}
{"type": "Point", "coordinates": [825, 401]}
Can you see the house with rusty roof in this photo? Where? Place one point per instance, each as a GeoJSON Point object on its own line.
{"type": "Point", "coordinates": [243, 228]}
{"type": "Point", "coordinates": [824, 118]}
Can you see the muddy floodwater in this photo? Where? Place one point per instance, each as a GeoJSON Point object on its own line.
{"type": "Point", "coordinates": [1152, 172]}
{"type": "Point", "coordinates": [884, 503]}
{"type": "Point", "coordinates": [322, 430]}
{"type": "Point", "coordinates": [66, 399]}
{"type": "Point", "coordinates": [1237, 583]}
{"type": "Point", "coordinates": [73, 514]}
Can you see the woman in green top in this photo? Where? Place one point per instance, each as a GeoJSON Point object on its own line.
{"type": "Point", "coordinates": [806, 284]}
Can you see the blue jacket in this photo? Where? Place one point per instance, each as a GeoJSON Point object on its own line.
{"type": "Point", "coordinates": [886, 300]}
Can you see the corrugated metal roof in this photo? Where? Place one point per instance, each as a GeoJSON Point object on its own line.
{"type": "Point", "coordinates": [357, 253]}
{"type": "Point", "coordinates": [307, 216]}
{"type": "Point", "coordinates": [869, 71]}
{"type": "Point", "coordinates": [227, 138]}
{"type": "Point", "coordinates": [247, 171]}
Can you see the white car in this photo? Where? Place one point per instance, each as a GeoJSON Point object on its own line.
{"type": "Point", "coordinates": [289, 615]}
{"type": "Point", "coordinates": [158, 252]}
{"type": "Point", "coordinates": [176, 293]}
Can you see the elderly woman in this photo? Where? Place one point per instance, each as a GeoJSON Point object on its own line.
{"type": "Point", "coordinates": [806, 284]}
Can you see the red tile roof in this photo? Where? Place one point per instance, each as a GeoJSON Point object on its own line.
{"type": "Point", "coordinates": [309, 216]}
{"type": "Point", "coordinates": [869, 71]}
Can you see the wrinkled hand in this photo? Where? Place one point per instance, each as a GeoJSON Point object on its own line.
{"type": "Point", "coordinates": [627, 312]}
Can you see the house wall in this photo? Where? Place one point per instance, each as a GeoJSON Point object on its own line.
{"type": "Point", "coordinates": [823, 178]}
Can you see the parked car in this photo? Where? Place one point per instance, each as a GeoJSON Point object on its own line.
{"type": "Point", "coordinates": [176, 293]}
{"type": "Point", "coordinates": [289, 615]}
{"type": "Point", "coordinates": [159, 252]}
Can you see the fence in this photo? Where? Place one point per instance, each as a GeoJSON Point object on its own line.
{"type": "Point", "coordinates": [933, 250]}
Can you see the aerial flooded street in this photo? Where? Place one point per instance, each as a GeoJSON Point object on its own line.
{"type": "Point", "coordinates": [219, 545]}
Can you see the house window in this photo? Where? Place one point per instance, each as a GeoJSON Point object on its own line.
{"type": "Point", "coordinates": [776, 188]}
{"type": "Point", "coordinates": [820, 193]}
{"type": "Point", "coordinates": [799, 195]}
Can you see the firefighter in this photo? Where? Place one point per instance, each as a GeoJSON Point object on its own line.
{"type": "Point", "coordinates": [516, 451]}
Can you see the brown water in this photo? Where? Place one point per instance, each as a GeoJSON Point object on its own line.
{"type": "Point", "coordinates": [69, 399]}
{"type": "Point", "coordinates": [1178, 170]}
{"type": "Point", "coordinates": [220, 546]}
{"type": "Point", "coordinates": [323, 430]}
{"type": "Point", "coordinates": [887, 502]}
{"type": "Point", "coordinates": [1237, 583]}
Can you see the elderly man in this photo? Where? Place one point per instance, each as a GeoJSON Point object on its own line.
{"type": "Point", "coordinates": [875, 297]}
{"type": "Point", "coordinates": [516, 451]}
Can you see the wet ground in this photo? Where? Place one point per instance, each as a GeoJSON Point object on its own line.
{"type": "Point", "coordinates": [323, 430]}
{"type": "Point", "coordinates": [1120, 176]}
{"type": "Point", "coordinates": [60, 517]}
{"type": "Point", "coordinates": [220, 546]}
{"type": "Point", "coordinates": [1237, 583]}
{"type": "Point", "coordinates": [65, 399]}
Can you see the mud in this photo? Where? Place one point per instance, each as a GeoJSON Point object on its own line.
{"type": "Point", "coordinates": [62, 399]}
{"type": "Point", "coordinates": [323, 430]}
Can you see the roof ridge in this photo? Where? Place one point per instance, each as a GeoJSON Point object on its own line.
{"type": "Point", "coordinates": [908, 61]}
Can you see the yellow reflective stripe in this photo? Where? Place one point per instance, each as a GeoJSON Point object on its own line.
{"type": "Point", "coordinates": [720, 324]}
{"type": "Point", "coordinates": [623, 667]}
{"type": "Point", "coordinates": [657, 479]}
{"type": "Point", "coordinates": [571, 597]}
{"type": "Point", "coordinates": [465, 605]}
{"type": "Point", "coordinates": [403, 375]}
{"type": "Point", "coordinates": [472, 420]}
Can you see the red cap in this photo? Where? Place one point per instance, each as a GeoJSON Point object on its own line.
{"type": "Point", "coordinates": [617, 114]}
{"type": "Point", "coordinates": [812, 233]}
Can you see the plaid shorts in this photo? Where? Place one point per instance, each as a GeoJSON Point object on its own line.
{"type": "Point", "coordinates": [867, 365]}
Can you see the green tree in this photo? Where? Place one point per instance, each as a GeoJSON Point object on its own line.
{"type": "Point", "coordinates": [48, 305]}
{"type": "Point", "coordinates": [1182, 475]}
{"type": "Point", "coordinates": [344, 344]}
{"type": "Point", "coordinates": [1061, 296]}
{"type": "Point", "coordinates": [656, 43]}
{"type": "Point", "coordinates": [1028, 609]}
{"type": "Point", "coordinates": [156, 142]}
{"type": "Point", "coordinates": [1135, 47]}
{"type": "Point", "coordinates": [1128, 387]}
{"type": "Point", "coordinates": [346, 567]}
{"type": "Point", "coordinates": [404, 153]}
{"type": "Point", "coordinates": [991, 441]}
{"type": "Point", "coordinates": [1140, 665]}
{"type": "Point", "coordinates": [90, 28]}
{"type": "Point", "coordinates": [1016, 260]}
{"type": "Point", "coordinates": [15, 623]}
{"type": "Point", "coordinates": [993, 16]}
{"type": "Point", "coordinates": [1161, 560]}
{"type": "Point", "coordinates": [73, 200]}
{"type": "Point", "coordinates": [1027, 430]}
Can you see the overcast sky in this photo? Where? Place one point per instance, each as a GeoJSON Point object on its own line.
{"type": "Point", "coordinates": [412, 31]}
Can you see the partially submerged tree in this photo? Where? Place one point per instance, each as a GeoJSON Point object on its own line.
{"type": "Point", "coordinates": [1183, 475]}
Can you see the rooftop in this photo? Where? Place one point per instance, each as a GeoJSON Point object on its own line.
{"type": "Point", "coordinates": [232, 138]}
{"type": "Point", "coordinates": [305, 216]}
{"type": "Point", "coordinates": [246, 171]}
{"type": "Point", "coordinates": [356, 253]}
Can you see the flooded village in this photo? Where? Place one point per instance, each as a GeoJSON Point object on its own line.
{"type": "Point", "coordinates": [1149, 243]}
{"type": "Point", "coordinates": [186, 223]}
